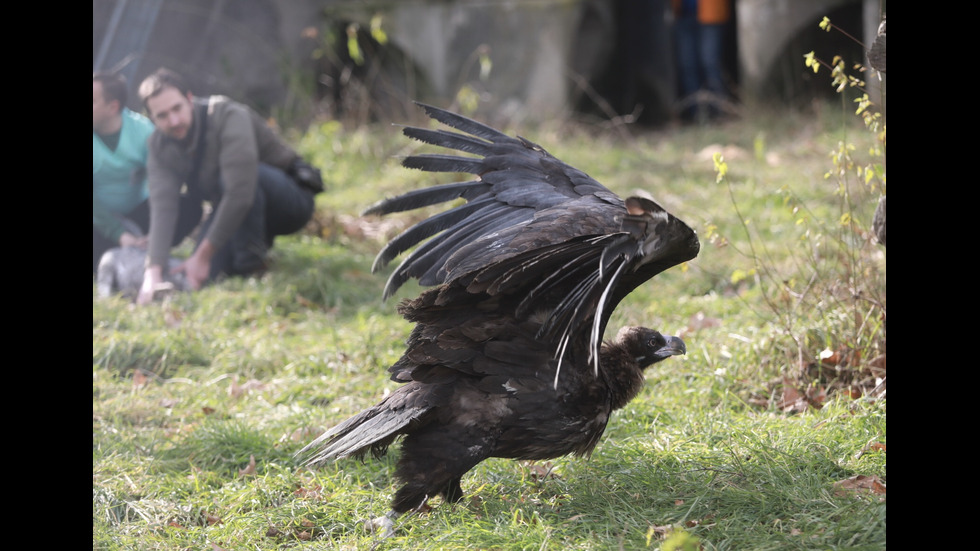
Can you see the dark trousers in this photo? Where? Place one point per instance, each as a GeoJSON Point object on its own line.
{"type": "Point", "coordinates": [699, 61]}
{"type": "Point", "coordinates": [281, 207]}
{"type": "Point", "coordinates": [189, 218]}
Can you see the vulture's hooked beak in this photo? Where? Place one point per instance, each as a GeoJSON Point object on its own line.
{"type": "Point", "coordinates": [674, 347]}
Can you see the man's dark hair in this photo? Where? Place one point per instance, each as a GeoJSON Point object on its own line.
{"type": "Point", "coordinates": [113, 86]}
{"type": "Point", "coordinates": [157, 81]}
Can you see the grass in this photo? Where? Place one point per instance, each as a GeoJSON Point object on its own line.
{"type": "Point", "coordinates": [200, 402]}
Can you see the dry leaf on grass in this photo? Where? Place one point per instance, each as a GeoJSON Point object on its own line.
{"type": "Point", "coordinates": [659, 532]}
{"type": "Point", "coordinates": [797, 401]}
{"type": "Point", "coordinates": [250, 469]}
{"type": "Point", "coordinates": [860, 483]}
{"type": "Point", "coordinates": [541, 471]}
{"type": "Point", "coordinates": [139, 378]}
{"type": "Point", "coordinates": [212, 519]}
{"type": "Point", "coordinates": [872, 446]}
{"type": "Point", "coordinates": [830, 357]}
{"type": "Point", "coordinates": [313, 492]}
{"type": "Point", "coordinates": [877, 366]}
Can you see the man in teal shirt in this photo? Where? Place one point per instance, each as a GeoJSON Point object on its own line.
{"type": "Point", "coordinates": [120, 214]}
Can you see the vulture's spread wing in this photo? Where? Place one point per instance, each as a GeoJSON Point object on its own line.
{"type": "Point", "coordinates": [531, 227]}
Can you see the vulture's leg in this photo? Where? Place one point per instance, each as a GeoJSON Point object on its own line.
{"type": "Point", "coordinates": [384, 524]}
{"type": "Point", "coordinates": [433, 463]}
{"type": "Point", "coordinates": [453, 491]}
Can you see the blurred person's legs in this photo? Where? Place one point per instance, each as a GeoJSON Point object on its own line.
{"type": "Point", "coordinates": [688, 72]}
{"type": "Point", "coordinates": [710, 46]}
{"type": "Point", "coordinates": [289, 206]}
{"type": "Point", "coordinates": [280, 207]}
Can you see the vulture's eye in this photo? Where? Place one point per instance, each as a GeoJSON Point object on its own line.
{"type": "Point", "coordinates": [657, 342]}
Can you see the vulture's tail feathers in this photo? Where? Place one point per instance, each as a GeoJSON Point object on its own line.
{"type": "Point", "coordinates": [372, 429]}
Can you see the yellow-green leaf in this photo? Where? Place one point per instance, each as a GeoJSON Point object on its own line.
{"type": "Point", "coordinates": [720, 166]}
{"type": "Point", "coordinates": [377, 33]}
{"type": "Point", "coordinates": [740, 275]}
{"type": "Point", "coordinates": [353, 48]}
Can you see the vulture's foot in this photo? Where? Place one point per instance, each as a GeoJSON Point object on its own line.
{"type": "Point", "coordinates": [385, 525]}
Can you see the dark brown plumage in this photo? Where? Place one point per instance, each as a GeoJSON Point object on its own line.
{"type": "Point", "coordinates": [506, 358]}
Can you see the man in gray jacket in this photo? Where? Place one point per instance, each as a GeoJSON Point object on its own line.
{"type": "Point", "coordinates": [226, 154]}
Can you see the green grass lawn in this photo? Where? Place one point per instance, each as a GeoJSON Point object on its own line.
{"type": "Point", "coordinates": [766, 435]}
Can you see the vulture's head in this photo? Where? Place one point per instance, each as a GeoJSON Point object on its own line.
{"type": "Point", "coordinates": [648, 346]}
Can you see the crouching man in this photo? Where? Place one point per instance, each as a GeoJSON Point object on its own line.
{"type": "Point", "coordinates": [225, 154]}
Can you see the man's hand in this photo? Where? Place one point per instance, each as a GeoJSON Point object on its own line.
{"type": "Point", "coordinates": [129, 240]}
{"type": "Point", "coordinates": [152, 277]}
{"type": "Point", "coordinates": [197, 267]}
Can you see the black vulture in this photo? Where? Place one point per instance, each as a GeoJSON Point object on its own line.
{"type": "Point", "coordinates": [506, 358]}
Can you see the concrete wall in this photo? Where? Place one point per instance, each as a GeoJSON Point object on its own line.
{"type": "Point", "coordinates": [529, 44]}
{"type": "Point", "coordinates": [259, 50]}
{"type": "Point", "coordinates": [546, 54]}
{"type": "Point", "coordinates": [766, 27]}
